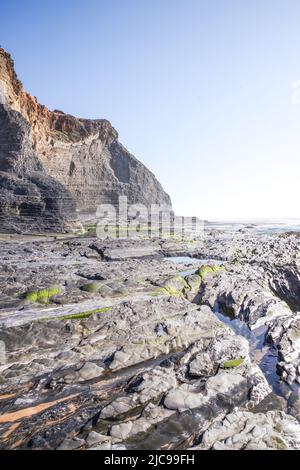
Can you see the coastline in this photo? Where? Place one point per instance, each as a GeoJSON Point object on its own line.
{"type": "Point", "coordinates": [138, 340]}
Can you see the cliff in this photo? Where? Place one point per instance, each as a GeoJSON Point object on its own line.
{"type": "Point", "coordinates": [53, 166]}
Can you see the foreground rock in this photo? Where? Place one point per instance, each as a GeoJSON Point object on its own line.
{"type": "Point", "coordinates": [108, 345]}
{"type": "Point", "coordinates": [285, 336]}
{"type": "Point", "coordinates": [138, 363]}
{"type": "Point", "coordinates": [248, 431]}
{"type": "Point", "coordinates": [260, 287]}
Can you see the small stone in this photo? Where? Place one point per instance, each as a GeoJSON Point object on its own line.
{"type": "Point", "coordinates": [71, 444]}
{"type": "Point", "coordinates": [89, 371]}
{"type": "Point", "coordinates": [96, 438]}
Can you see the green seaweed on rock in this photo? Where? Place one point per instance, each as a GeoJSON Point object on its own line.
{"type": "Point", "coordinates": [79, 316]}
{"type": "Point", "coordinates": [209, 269]}
{"type": "Point", "coordinates": [174, 286]}
{"type": "Point", "coordinates": [43, 295]}
{"type": "Point", "coordinates": [233, 363]}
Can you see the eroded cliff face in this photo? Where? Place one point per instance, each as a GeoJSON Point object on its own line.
{"type": "Point", "coordinates": [81, 158]}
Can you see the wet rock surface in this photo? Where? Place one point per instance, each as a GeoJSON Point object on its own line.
{"type": "Point", "coordinates": [111, 344]}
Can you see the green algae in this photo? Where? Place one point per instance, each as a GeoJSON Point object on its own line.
{"type": "Point", "coordinates": [173, 287]}
{"type": "Point", "coordinates": [88, 313]}
{"type": "Point", "coordinates": [209, 269]}
{"type": "Point", "coordinates": [233, 363]}
{"type": "Point", "coordinates": [43, 295]}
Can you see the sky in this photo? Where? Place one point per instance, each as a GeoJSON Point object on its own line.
{"type": "Point", "coordinates": [206, 93]}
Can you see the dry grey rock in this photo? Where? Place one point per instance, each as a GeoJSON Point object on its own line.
{"type": "Point", "coordinates": [88, 372]}
{"type": "Point", "coordinates": [96, 438]}
{"type": "Point", "coordinates": [103, 443]}
{"type": "Point", "coordinates": [151, 385]}
{"type": "Point", "coordinates": [214, 354]}
{"type": "Point", "coordinates": [151, 415]}
{"type": "Point", "coordinates": [243, 292]}
{"type": "Point", "coordinates": [285, 336]}
{"type": "Point", "coordinates": [71, 444]}
{"type": "Point", "coordinates": [273, 430]}
{"type": "Point", "coordinates": [229, 386]}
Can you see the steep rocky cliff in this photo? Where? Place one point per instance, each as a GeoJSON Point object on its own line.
{"type": "Point", "coordinates": [54, 166]}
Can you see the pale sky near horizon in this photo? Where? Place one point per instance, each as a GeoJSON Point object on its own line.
{"type": "Point", "coordinates": [199, 90]}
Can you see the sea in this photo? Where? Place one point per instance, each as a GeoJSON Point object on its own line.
{"type": "Point", "coordinates": [263, 226]}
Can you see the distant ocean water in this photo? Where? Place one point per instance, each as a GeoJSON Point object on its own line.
{"type": "Point", "coordinates": [256, 226]}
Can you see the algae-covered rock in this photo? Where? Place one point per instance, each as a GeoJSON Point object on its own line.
{"type": "Point", "coordinates": [233, 363]}
{"type": "Point", "coordinates": [42, 295]}
{"type": "Point", "coordinates": [209, 269]}
{"type": "Point", "coordinates": [92, 287]}
{"type": "Point", "coordinates": [173, 286]}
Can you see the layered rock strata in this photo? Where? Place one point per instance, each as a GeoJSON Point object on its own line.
{"type": "Point", "coordinates": [58, 162]}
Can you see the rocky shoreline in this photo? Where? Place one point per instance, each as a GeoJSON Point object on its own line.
{"type": "Point", "coordinates": [110, 344]}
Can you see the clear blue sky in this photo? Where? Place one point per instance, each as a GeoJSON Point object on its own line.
{"type": "Point", "coordinates": [199, 90]}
